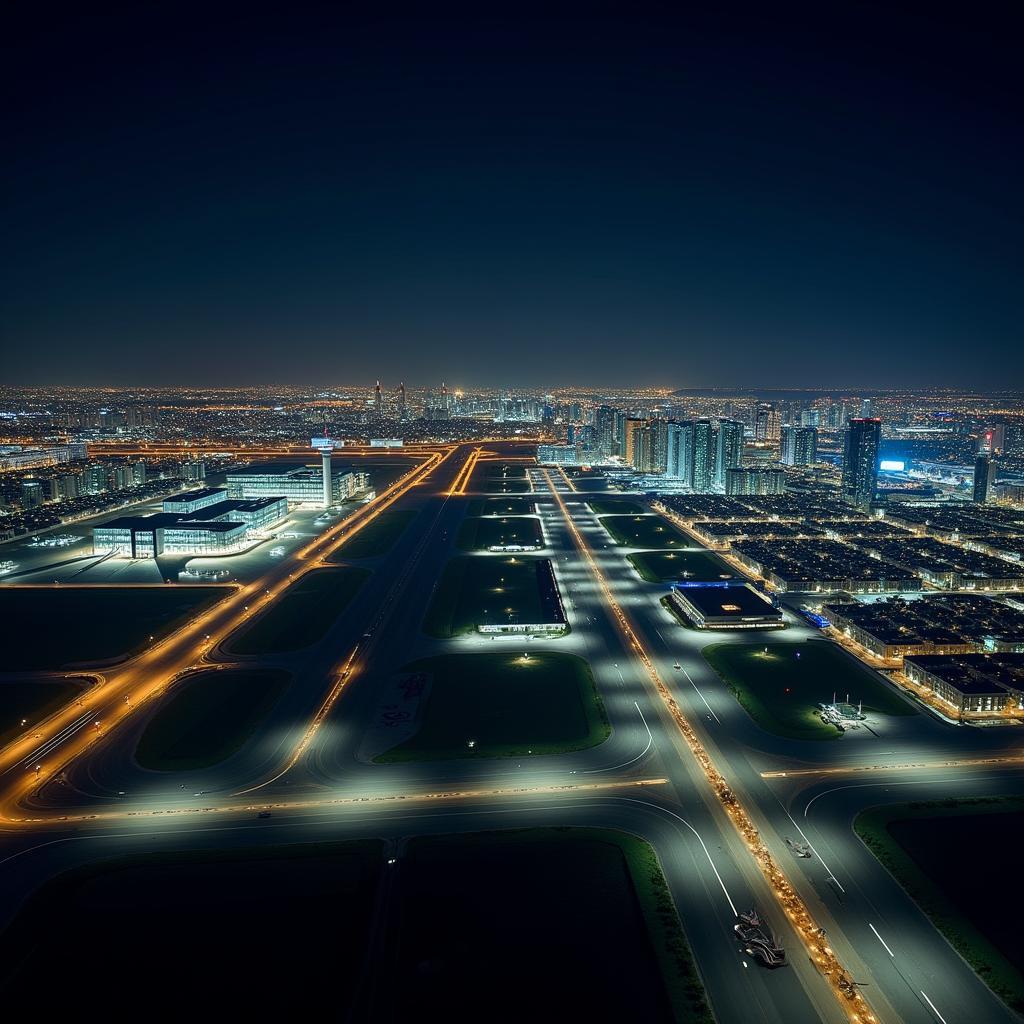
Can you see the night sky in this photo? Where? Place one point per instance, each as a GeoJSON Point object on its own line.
{"type": "Point", "coordinates": [801, 196]}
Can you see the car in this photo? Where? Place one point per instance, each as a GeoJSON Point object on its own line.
{"type": "Point", "coordinates": [263, 814]}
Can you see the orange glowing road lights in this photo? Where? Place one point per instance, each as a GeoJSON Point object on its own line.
{"type": "Point", "coordinates": [811, 935]}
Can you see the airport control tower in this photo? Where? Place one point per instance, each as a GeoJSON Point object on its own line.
{"type": "Point", "coordinates": [325, 455]}
{"type": "Point", "coordinates": [324, 445]}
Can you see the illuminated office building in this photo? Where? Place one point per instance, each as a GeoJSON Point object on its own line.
{"type": "Point", "coordinates": [299, 486]}
{"type": "Point", "coordinates": [767, 423]}
{"type": "Point", "coordinates": [860, 460]}
{"type": "Point", "coordinates": [799, 446]}
{"type": "Point", "coordinates": [984, 477]}
{"type": "Point", "coordinates": [630, 429]}
{"type": "Point", "coordinates": [702, 457]}
{"type": "Point", "coordinates": [729, 452]}
{"type": "Point", "coordinates": [677, 458]}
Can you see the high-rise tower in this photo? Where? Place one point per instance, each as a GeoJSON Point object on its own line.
{"type": "Point", "coordinates": [730, 448]}
{"type": "Point", "coordinates": [860, 460]}
{"type": "Point", "coordinates": [984, 477]}
{"type": "Point", "coordinates": [702, 456]}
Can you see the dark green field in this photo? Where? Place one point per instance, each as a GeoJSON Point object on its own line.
{"type": "Point", "coordinates": [32, 701]}
{"type": "Point", "coordinates": [613, 951]}
{"type": "Point", "coordinates": [468, 922]}
{"type": "Point", "coordinates": [208, 718]}
{"type": "Point", "coordinates": [493, 469]}
{"type": "Point", "coordinates": [92, 624]}
{"type": "Point", "coordinates": [474, 590]}
{"type": "Point", "coordinates": [933, 851]}
{"type": "Point", "coordinates": [780, 690]}
{"type": "Point", "coordinates": [481, 534]}
{"type": "Point", "coordinates": [590, 482]}
{"type": "Point", "coordinates": [303, 614]}
{"type": "Point", "coordinates": [645, 532]}
{"type": "Point", "coordinates": [615, 507]}
{"type": "Point", "coordinates": [500, 485]}
{"type": "Point", "coordinates": [198, 915]}
{"type": "Point", "coordinates": [507, 704]}
{"type": "Point", "coordinates": [376, 538]}
{"type": "Point", "coordinates": [691, 564]}
{"type": "Point", "coordinates": [501, 507]}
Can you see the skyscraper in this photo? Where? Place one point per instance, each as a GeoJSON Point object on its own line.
{"type": "Point", "coordinates": [604, 428]}
{"type": "Point", "coordinates": [767, 423]}
{"type": "Point", "coordinates": [730, 448]}
{"type": "Point", "coordinates": [702, 457]}
{"type": "Point", "coordinates": [677, 462]}
{"type": "Point", "coordinates": [984, 477]}
{"type": "Point", "coordinates": [799, 446]}
{"type": "Point", "coordinates": [628, 441]}
{"type": "Point", "coordinates": [659, 454]}
{"type": "Point", "coordinates": [673, 446]}
{"type": "Point", "coordinates": [643, 448]}
{"type": "Point", "coordinates": [860, 460]}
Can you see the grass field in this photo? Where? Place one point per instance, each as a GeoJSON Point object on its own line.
{"type": "Point", "coordinates": [691, 564]}
{"type": "Point", "coordinates": [501, 485]}
{"type": "Point", "coordinates": [491, 469]}
{"type": "Point", "coordinates": [645, 532]}
{"type": "Point", "coordinates": [616, 507]}
{"type": "Point", "coordinates": [480, 534]}
{"type": "Point", "coordinates": [75, 625]}
{"type": "Point", "coordinates": [208, 717]}
{"type": "Point", "coordinates": [475, 590]}
{"type": "Point", "coordinates": [197, 914]}
{"type": "Point", "coordinates": [469, 923]}
{"type": "Point", "coordinates": [31, 701]}
{"type": "Point", "coordinates": [932, 850]}
{"type": "Point", "coordinates": [501, 507]}
{"type": "Point", "coordinates": [590, 483]}
{"type": "Point", "coordinates": [376, 538]}
{"type": "Point", "coordinates": [303, 614]}
{"type": "Point", "coordinates": [780, 690]}
{"type": "Point", "coordinates": [614, 951]}
{"type": "Point", "coordinates": [508, 705]}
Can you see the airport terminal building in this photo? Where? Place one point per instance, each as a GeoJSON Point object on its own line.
{"type": "Point", "coordinates": [300, 486]}
{"type": "Point", "coordinates": [199, 522]}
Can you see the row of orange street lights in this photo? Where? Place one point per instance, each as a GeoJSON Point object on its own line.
{"type": "Point", "coordinates": [811, 935]}
{"type": "Point", "coordinates": [141, 677]}
{"type": "Point", "coordinates": [461, 481]}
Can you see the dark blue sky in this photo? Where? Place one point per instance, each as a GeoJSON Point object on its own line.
{"type": "Point", "coordinates": [798, 197]}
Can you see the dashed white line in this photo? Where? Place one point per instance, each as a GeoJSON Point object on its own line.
{"type": "Point", "coordinates": [884, 943]}
{"type": "Point", "coordinates": [935, 1009]}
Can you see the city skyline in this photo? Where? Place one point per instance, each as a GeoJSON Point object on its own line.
{"type": "Point", "coordinates": [513, 513]}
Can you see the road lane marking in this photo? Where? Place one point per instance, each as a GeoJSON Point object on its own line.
{"type": "Point", "coordinates": [884, 943]}
{"type": "Point", "coordinates": [935, 1009]}
{"type": "Point", "coordinates": [864, 769]}
{"type": "Point", "coordinates": [701, 695]}
{"type": "Point", "coordinates": [650, 740]}
{"type": "Point", "coordinates": [814, 851]}
{"type": "Point", "coordinates": [707, 853]}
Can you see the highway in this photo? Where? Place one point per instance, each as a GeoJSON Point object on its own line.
{"type": "Point", "coordinates": [312, 762]}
